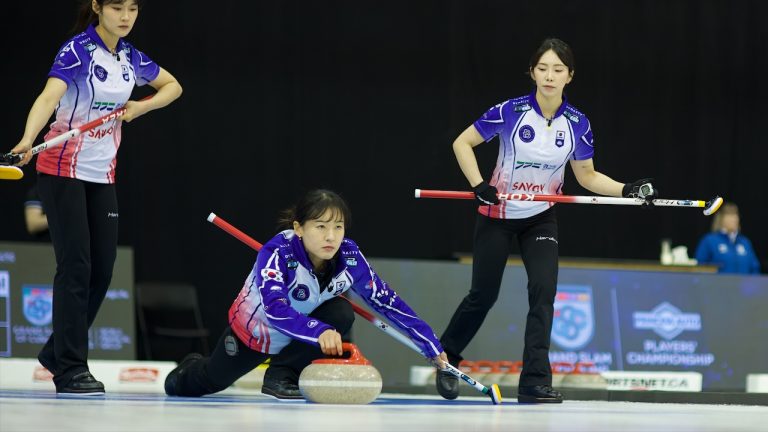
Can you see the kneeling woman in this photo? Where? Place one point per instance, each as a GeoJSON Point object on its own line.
{"type": "Point", "coordinates": [299, 272]}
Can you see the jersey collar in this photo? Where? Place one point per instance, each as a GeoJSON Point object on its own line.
{"type": "Point", "coordinates": [301, 255]}
{"type": "Point", "coordinates": [537, 108]}
{"type": "Point", "coordinates": [91, 32]}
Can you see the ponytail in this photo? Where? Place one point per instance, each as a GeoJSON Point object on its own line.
{"type": "Point", "coordinates": [286, 218]}
{"type": "Point", "coordinates": [85, 17]}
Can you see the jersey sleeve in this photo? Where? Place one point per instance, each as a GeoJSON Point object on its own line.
{"type": "Point", "coordinates": [269, 278]}
{"type": "Point", "coordinates": [146, 70]}
{"type": "Point", "coordinates": [68, 62]}
{"type": "Point", "coordinates": [584, 143]}
{"type": "Point", "coordinates": [384, 300]}
{"type": "Point", "coordinates": [492, 122]}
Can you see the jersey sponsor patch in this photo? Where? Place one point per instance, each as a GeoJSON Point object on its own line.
{"type": "Point", "coordinates": [272, 274]}
{"type": "Point", "coordinates": [560, 138]}
{"type": "Point", "coordinates": [103, 106]}
{"type": "Point", "coordinates": [524, 164]}
{"type": "Point", "coordinates": [571, 116]}
{"type": "Point", "coordinates": [529, 187]}
{"type": "Point", "coordinates": [523, 107]}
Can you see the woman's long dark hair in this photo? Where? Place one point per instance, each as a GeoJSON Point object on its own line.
{"type": "Point", "coordinates": [86, 16]}
{"type": "Point", "coordinates": [312, 206]}
{"type": "Point", "coordinates": [562, 49]}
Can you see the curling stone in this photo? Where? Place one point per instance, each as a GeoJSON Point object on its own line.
{"type": "Point", "coordinates": [585, 376]}
{"type": "Point", "coordinates": [340, 380]}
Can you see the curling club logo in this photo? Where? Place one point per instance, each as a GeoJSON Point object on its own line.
{"type": "Point", "coordinates": [38, 304]}
{"type": "Point", "coordinates": [100, 73]}
{"type": "Point", "coordinates": [526, 134]}
{"type": "Point", "coordinates": [300, 293]}
{"type": "Point", "coordinates": [574, 323]}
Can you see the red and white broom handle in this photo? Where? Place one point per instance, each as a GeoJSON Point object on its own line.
{"type": "Point", "coordinates": [381, 325]}
{"type": "Point", "coordinates": [72, 133]}
{"type": "Point", "coordinates": [709, 206]}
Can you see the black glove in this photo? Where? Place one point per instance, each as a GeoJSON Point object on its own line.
{"type": "Point", "coordinates": [641, 189]}
{"type": "Point", "coordinates": [485, 194]}
{"type": "Point", "coordinates": [9, 159]}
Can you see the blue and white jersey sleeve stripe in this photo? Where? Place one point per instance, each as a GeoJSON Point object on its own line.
{"type": "Point", "coordinates": [385, 301]}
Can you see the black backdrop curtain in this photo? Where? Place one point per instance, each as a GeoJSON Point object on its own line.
{"type": "Point", "coordinates": [366, 97]}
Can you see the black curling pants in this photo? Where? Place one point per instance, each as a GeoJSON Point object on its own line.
{"type": "Point", "coordinates": [82, 219]}
{"type": "Point", "coordinates": [537, 238]}
{"type": "Point", "coordinates": [231, 359]}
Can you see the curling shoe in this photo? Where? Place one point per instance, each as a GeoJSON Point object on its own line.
{"type": "Point", "coordinates": [538, 394]}
{"type": "Point", "coordinates": [281, 388]}
{"type": "Point", "coordinates": [173, 377]}
{"type": "Point", "coordinates": [447, 384]}
{"type": "Point", "coordinates": [82, 384]}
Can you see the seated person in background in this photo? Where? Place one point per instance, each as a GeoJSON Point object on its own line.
{"type": "Point", "coordinates": [726, 246]}
{"type": "Point", "coordinates": [34, 216]}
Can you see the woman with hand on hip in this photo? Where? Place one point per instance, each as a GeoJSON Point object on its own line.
{"type": "Point", "coordinates": [93, 73]}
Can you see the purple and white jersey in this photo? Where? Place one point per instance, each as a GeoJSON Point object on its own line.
{"type": "Point", "coordinates": [533, 151]}
{"type": "Point", "coordinates": [281, 290]}
{"type": "Point", "coordinates": [98, 82]}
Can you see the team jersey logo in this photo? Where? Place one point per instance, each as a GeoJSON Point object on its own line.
{"type": "Point", "coordinates": [126, 75]}
{"type": "Point", "coordinates": [100, 73]}
{"type": "Point", "coordinates": [300, 293]}
{"type": "Point", "coordinates": [560, 138]}
{"type": "Point", "coordinates": [526, 133]}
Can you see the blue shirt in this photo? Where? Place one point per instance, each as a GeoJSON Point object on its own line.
{"type": "Point", "coordinates": [732, 256]}
{"type": "Point", "coordinates": [282, 289]}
